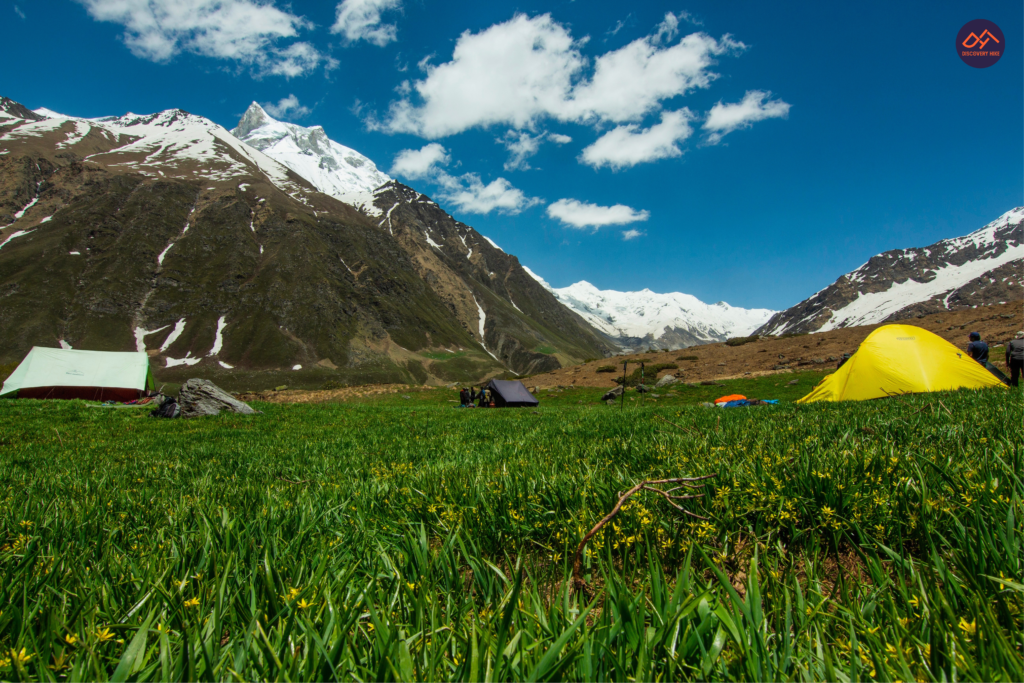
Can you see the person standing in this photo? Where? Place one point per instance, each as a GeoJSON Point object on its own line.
{"type": "Point", "coordinates": [977, 349]}
{"type": "Point", "coordinates": [463, 397]}
{"type": "Point", "coordinates": [1015, 358]}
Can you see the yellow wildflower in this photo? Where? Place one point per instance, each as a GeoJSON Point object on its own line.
{"type": "Point", "coordinates": [968, 627]}
{"type": "Point", "coordinates": [104, 635]}
{"type": "Point", "coordinates": [70, 638]}
{"type": "Point", "coordinates": [192, 602]}
{"type": "Point", "coordinates": [21, 657]}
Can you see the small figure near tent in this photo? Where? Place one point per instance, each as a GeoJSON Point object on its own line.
{"type": "Point", "coordinates": [481, 398]}
{"type": "Point", "coordinates": [977, 349]}
{"type": "Point", "coordinates": [1015, 358]}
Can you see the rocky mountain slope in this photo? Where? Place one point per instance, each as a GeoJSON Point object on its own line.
{"type": "Point", "coordinates": [639, 321]}
{"type": "Point", "coordinates": [983, 268]}
{"type": "Point", "coordinates": [168, 234]}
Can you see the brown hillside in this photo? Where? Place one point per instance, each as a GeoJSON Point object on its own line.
{"type": "Point", "coordinates": [819, 350]}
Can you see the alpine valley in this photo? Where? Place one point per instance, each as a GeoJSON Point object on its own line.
{"type": "Point", "coordinates": [271, 254]}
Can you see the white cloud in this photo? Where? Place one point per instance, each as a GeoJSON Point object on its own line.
{"type": "Point", "coordinates": [17, 10]}
{"type": "Point", "coordinates": [725, 118]}
{"type": "Point", "coordinates": [468, 193]}
{"type": "Point", "coordinates": [360, 20]}
{"type": "Point", "coordinates": [526, 69]}
{"type": "Point", "coordinates": [631, 81]}
{"type": "Point", "coordinates": [559, 139]}
{"type": "Point", "coordinates": [667, 29]}
{"type": "Point", "coordinates": [627, 146]}
{"type": "Point", "coordinates": [297, 59]}
{"type": "Point", "coordinates": [632, 234]}
{"type": "Point", "coordinates": [669, 26]}
{"type": "Point", "coordinates": [618, 26]}
{"type": "Point", "coordinates": [246, 31]}
{"type": "Point", "coordinates": [286, 107]}
{"type": "Point", "coordinates": [521, 146]}
{"type": "Point", "coordinates": [420, 163]}
{"type": "Point", "coordinates": [577, 214]}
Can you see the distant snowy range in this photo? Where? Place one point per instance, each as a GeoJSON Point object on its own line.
{"type": "Point", "coordinates": [649, 320]}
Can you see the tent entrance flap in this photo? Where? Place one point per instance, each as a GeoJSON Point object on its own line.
{"type": "Point", "coordinates": [511, 394]}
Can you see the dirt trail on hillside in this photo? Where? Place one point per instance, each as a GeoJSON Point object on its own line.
{"type": "Point", "coordinates": [329, 395]}
{"type": "Point", "coordinates": [816, 351]}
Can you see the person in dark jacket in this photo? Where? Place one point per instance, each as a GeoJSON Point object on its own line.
{"type": "Point", "coordinates": [1015, 358]}
{"type": "Point", "coordinates": [977, 349]}
{"type": "Point", "coordinates": [463, 397]}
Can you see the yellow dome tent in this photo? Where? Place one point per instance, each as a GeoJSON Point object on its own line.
{"type": "Point", "coordinates": [902, 359]}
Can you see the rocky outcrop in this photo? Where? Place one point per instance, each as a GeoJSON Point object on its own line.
{"type": "Point", "coordinates": [666, 381]}
{"type": "Point", "coordinates": [201, 397]}
{"type": "Point", "coordinates": [17, 110]}
{"type": "Point", "coordinates": [613, 393]}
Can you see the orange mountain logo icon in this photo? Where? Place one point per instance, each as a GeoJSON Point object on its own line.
{"type": "Point", "coordinates": [972, 41]}
{"type": "Point", "coordinates": [980, 43]}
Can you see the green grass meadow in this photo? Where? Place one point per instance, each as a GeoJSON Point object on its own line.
{"type": "Point", "coordinates": [402, 539]}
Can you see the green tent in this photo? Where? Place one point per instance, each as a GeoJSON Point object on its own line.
{"type": "Point", "coordinates": [69, 373]}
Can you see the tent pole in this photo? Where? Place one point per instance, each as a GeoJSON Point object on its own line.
{"type": "Point", "coordinates": [622, 403]}
{"type": "Point", "coordinates": [641, 382]}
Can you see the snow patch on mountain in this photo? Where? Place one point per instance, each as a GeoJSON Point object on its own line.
{"type": "Point", "coordinates": [332, 168]}
{"type": "Point", "coordinates": [874, 307]}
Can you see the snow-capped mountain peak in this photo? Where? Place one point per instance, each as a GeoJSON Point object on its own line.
{"type": "Point", "coordinates": [981, 268]}
{"type": "Point", "coordinates": [167, 143]}
{"type": "Point", "coordinates": [332, 168]}
{"type": "Point", "coordinates": [647, 319]}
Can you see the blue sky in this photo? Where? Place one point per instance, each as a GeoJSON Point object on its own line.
{"type": "Point", "coordinates": [759, 151]}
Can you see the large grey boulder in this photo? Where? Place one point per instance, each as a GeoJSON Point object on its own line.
{"type": "Point", "coordinates": [612, 394]}
{"type": "Point", "coordinates": [665, 381]}
{"type": "Point", "coordinates": [199, 397]}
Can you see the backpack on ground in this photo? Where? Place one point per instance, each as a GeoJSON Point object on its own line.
{"type": "Point", "coordinates": [168, 409]}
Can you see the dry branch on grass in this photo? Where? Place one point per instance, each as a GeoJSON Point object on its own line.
{"type": "Point", "coordinates": [578, 582]}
